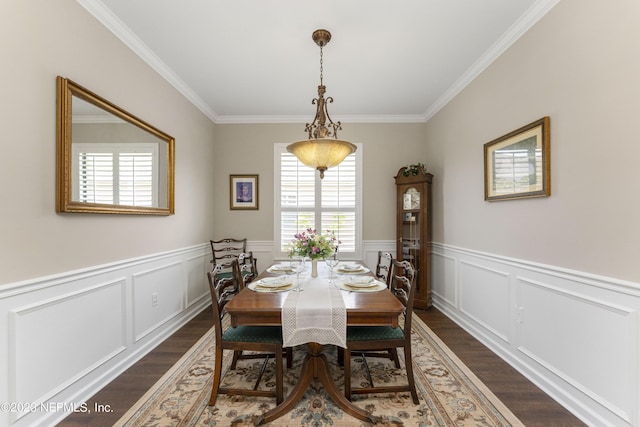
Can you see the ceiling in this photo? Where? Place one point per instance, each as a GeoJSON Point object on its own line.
{"type": "Point", "coordinates": [253, 61]}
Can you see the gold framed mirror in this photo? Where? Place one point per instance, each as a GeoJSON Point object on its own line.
{"type": "Point", "coordinates": [108, 160]}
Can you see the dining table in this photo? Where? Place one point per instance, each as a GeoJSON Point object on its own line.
{"type": "Point", "coordinates": [363, 307]}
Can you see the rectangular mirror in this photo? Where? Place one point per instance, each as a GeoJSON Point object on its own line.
{"type": "Point", "coordinates": [109, 161]}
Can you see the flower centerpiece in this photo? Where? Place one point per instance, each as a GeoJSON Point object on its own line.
{"type": "Point", "coordinates": [315, 246]}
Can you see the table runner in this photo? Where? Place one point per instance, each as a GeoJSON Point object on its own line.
{"type": "Point", "coordinates": [316, 314]}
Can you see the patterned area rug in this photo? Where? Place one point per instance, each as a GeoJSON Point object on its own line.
{"type": "Point", "coordinates": [450, 395]}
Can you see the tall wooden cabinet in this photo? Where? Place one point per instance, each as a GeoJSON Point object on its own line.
{"type": "Point", "coordinates": [414, 227]}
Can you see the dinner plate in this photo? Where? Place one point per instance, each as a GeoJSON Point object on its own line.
{"type": "Point", "coordinates": [351, 269]}
{"type": "Point", "coordinates": [259, 286]}
{"type": "Point", "coordinates": [374, 287]}
{"type": "Point", "coordinates": [273, 282]}
{"type": "Point", "coordinates": [280, 268]}
{"type": "Point", "coordinates": [360, 281]}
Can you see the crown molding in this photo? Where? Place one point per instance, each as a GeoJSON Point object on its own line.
{"type": "Point", "coordinates": [528, 20]}
{"type": "Point", "coordinates": [409, 118]}
{"type": "Point", "coordinates": [117, 27]}
{"type": "Point", "coordinates": [113, 24]}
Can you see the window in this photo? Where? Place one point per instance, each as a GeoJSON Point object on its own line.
{"type": "Point", "coordinates": [116, 174]}
{"type": "Point", "coordinates": [303, 200]}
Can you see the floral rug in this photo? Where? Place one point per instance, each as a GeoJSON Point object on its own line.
{"type": "Point", "coordinates": [450, 395]}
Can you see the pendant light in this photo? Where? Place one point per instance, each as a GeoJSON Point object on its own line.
{"type": "Point", "coordinates": [323, 149]}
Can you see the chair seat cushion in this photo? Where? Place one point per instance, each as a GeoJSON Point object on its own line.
{"type": "Point", "coordinates": [258, 334]}
{"type": "Point", "coordinates": [224, 275]}
{"type": "Point", "coordinates": [373, 333]}
{"type": "Point", "coordinates": [228, 274]}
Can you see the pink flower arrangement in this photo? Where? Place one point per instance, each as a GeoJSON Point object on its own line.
{"type": "Point", "coordinates": [312, 245]}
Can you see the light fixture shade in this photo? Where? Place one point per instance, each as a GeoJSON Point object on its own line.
{"type": "Point", "coordinates": [321, 154]}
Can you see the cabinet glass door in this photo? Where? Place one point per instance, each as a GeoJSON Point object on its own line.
{"type": "Point", "coordinates": [411, 237]}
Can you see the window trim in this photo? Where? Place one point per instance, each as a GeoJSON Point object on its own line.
{"type": "Point", "coordinates": [279, 148]}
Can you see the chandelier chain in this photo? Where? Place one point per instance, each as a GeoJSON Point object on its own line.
{"type": "Point", "coordinates": [321, 68]}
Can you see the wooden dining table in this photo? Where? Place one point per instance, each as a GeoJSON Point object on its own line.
{"type": "Point", "coordinates": [380, 308]}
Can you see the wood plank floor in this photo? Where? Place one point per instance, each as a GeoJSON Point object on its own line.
{"type": "Point", "coordinates": [525, 400]}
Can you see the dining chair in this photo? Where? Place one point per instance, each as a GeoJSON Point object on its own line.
{"type": "Point", "coordinates": [384, 267]}
{"type": "Point", "coordinates": [362, 339]}
{"type": "Point", "coordinates": [248, 267]}
{"type": "Point", "coordinates": [228, 280]}
{"type": "Point", "coordinates": [384, 272]}
{"type": "Point", "coordinates": [224, 250]}
{"type": "Point", "coordinates": [242, 274]}
{"type": "Point", "coordinates": [265, 340]}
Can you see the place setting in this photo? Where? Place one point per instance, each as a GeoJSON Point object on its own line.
{"type": "Point", "coordinates": [284, 268]}
{"type": "Point", "coordinates": [351, 268]}
{"type": "Point", "coordinates": [359, 284]}
{"type": "Point", "coordinates": [272, 284]}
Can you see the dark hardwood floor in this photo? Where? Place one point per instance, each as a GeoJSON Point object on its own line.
{"type": "Point", "coordinates": [525, 400]}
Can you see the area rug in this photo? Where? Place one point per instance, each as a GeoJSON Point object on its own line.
{"type": "Point", "coordinates": [450, 395]}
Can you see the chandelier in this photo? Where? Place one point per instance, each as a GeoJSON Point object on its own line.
{"type": "Point", "coordinates": [323, 149]}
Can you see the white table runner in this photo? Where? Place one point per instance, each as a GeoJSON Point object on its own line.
{"type": "Point", "coordinates": [317, 314]}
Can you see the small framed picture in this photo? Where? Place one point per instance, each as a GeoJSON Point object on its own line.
{"type": "Point", "coordinates": [244, 191]}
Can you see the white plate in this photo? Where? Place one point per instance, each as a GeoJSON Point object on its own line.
{"type": "Point", "coordinates": [280, 268]}
{"type": "Point", "coordinates": [377, 286]}
{"type": "Point", "coordinates": [273, 282]}
{"type": "Point", "coordinates": [360, 282]}
{"type": "Point", "coordinates": [257, 287]}
{"type": "Point", "coordinates": [351, 269]}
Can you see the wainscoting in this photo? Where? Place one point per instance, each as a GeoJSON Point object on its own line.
{"type": "Point", "coordinates": [69, 335]}
{"type": "Point", "coordinates": [575, 335]}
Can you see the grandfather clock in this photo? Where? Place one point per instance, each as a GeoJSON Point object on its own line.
{"type": "Point", "coordinates": [413, 226]}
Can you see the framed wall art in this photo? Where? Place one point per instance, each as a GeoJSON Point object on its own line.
{"type": "Point", "coordinates": [244, 191]}
{"type": "Point", "coordinates": [517, 165]}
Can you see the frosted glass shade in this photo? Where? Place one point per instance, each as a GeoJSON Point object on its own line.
{"type": "Point", "coordinates": [321, 154]}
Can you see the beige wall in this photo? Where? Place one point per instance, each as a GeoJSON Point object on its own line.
{"type": "Point", "coordinates": [248, 149]}
{"type": "Point", "coordinates": [580, 66]}
{"type": "Point", "coordinates": [38, 41]}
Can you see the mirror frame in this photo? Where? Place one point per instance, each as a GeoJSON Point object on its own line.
{"type": "Point", "coordinates": [66, 90]}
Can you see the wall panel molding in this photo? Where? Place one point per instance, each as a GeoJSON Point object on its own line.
{"type": "Point", "coordinates": [39, 366]}
{"type": "Point", "coordinates": [155, 297]}
{"type": "Point", "coordinates": [72, 333]}
{"type": "Point", "coordinates": [563, 326]}
{"type": "Point", "coordinates": [480, 283]}
{"type": "Point", "coordinates": [444, 268]}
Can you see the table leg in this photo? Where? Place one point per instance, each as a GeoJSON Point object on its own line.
{"type": "Point", "coordinates": [315, 365]}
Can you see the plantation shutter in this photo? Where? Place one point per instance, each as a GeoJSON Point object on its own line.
{"type": "Point", "coordinates": [95, 177]}
{"type": "Point", "coordinates": [306, 201]}
{"type": "Point", "coordinates": [136, 179]}
{"type": "Point", "coordinates": [116, 174]}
